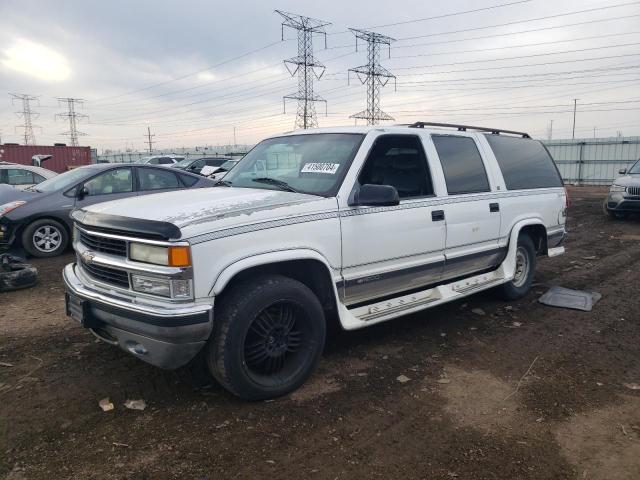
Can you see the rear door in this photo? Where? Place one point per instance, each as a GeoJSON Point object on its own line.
{"type": "Point", "coordinates": [389, 250]}
{"type": "Point", "coordinates": [472, 212]}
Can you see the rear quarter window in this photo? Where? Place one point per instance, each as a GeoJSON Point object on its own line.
{"type": "Point", "coordinates": [524, 162]}
{"type": "Point", "coordinates": [188, 180]}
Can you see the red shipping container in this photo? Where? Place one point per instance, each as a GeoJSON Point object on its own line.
{"type": "Point", "coordinates": [63, 158]}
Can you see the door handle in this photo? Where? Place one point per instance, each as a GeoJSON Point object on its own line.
{"type": "Point", "coordinates": [437, 215]}
{"type": "Point", "coordinates": [494, 207]}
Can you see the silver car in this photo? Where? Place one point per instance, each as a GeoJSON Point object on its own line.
{"type": "Point", "coordinates": [624, 194]}
{"type": "Point", "coordinates": [23, 176]}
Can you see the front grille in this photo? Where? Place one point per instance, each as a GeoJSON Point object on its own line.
{"type": "Point", "coordinates": [103, 244]}
{"type": "Point", "coordinates": [112, 276]}
{"type": "Point", "coordinates": [635, 191]}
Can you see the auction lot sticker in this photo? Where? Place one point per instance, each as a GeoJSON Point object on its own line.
{"type": "Point", "coordinates": [330, 168]}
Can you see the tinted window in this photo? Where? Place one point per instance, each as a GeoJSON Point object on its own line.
{"type": "Point", "coordinates": [636, 168]}
{"type": "Point", "coordinates": [215, 162]}
{"type": "Point", "coordinates": [156, 179]}
{"type": "Point", "coordinates": [38, 178]}
{"type": "Point", "coordinates": [525, 163]}
{"type": "Point", "coordinates": [118, 180]}
{"type": "Point", "coordinates": [462, 164]}
{"type": "Point", "coordinates": [164, 160]}
{"type": "Point", "coordinates": [399, 161]}
{"type": "Point", "coordinates": [18, 176]}
{"type": "Point", "coordinates": [188, 180]}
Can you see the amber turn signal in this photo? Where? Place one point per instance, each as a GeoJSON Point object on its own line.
{"type": "Point", "coordinates": [179, 256]}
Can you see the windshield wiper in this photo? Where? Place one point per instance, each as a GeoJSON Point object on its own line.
{"type": "Point", "coordinates": [278, 183]}
{"type": "Point", "coordinates": [223, 183]}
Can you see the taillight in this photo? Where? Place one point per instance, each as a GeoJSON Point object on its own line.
{"type": "Point", "coordinates": [567, 203]}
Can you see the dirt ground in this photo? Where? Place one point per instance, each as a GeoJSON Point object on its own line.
{"type": "Point", "coordinates": [511, 391]}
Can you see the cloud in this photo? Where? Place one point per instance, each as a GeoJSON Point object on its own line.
{"type": "Point", "coordinates": [36, 60]}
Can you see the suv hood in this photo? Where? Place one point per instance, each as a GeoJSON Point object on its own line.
{"type": "Point", "coordinates": [628, 181]}
{"type": "Point", "coordinates": [204, 210]}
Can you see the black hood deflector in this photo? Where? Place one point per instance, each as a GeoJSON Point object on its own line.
{"type": "Point", "coordinates": [134, 227]}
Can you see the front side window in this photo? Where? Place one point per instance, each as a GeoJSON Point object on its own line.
{"type": "Point", "coordinates": [462, 164]}
{"type": "Point", "coordinates": [18, 176]}
{"type": "Point", "coordinates": [313, 163]}
{"type": "Point", "coordinates": [524, 162]}
{"type": "Point", "coordinates": [118, 180]}
{"type": "Point", "coordinates": [398, 161]}
{"type": "Point", "coordinates": [157, 179]}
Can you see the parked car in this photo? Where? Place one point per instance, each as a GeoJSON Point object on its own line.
{"type": "Point", "coordinates": [23, 176]}
{"type": "Point", "coordinates": [218, 173]}
{"type": "Point", "coordinates": [161, 160]}
{"type": "Point", "coordinates": [38, 218]}
{"type": "Point", "coordinates": [624, 194]}
{"type": "Point", "coordinates": [195, 165]}
{"type": "Point", "coordinates": [362, 224]}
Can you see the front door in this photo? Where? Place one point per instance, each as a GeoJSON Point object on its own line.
{"type": "Point", "coordinates": [473, 213]}
{"type": "Point", "coordinates": [113, 184]}
{"type": "Point", "coordinates": [388, 250]}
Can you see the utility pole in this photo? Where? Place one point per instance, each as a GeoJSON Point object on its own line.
{"type": "Point", "coordinates": [373, 74]}
{"type": "Point", "coordinates": [575, 105]}
{"type": "Point", "coordinates": [550, 130]}
{"type": "Point", "coordinates": [305, 66]}
{"type": "Point", "coordinates": [149, 140]}
{"type": "Point", "coordinates": [73, 117]}
{"type": "Point", "coordinates": [27, 114]}
{"type": "Point", "coordinates": [594, 132]}
{"type": "Point", "coordinates": [235, 144]}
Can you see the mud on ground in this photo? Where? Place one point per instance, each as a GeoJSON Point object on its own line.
{"type": "Point", "coordinates": [467, 412]}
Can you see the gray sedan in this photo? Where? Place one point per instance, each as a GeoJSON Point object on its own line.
{"type": "Point", "coordinates": [624, 194]}
{"type": "Point", "coordinates": [38, 218]}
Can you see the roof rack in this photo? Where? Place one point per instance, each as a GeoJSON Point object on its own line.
{"type": "Point", "coordinates": [464, 128]}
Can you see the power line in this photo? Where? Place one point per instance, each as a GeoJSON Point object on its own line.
{"type": "Point", "coordinates": [373, 74]}
{"type": "Point", "coordinates": [305, 66]}
{"type": "Point", "coordinates": [73, 117]}
{"type": "Point", "coordinates": [27, 114]}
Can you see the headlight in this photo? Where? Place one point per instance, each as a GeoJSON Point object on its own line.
{"type": "Point", "coordinates": [7, 207]}
{"type": "Point", "coordinates": [617, 188]}
{"type": "Point", "coordinates": [164, 287]}
{"type": "Point", "coordinates": [174, 256]}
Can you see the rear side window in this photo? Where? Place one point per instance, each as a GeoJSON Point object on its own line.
{"type": "Point", "coordinates": [188, 180]}
{"type": "Point", "coordinates": [525, 163]}
{"type": "Point", "coordinates": [462, 164]}
{"type": "Point", "coordinates": [157, 179]}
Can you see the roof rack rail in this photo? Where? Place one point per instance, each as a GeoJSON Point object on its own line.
{"type": "Point", "coordinates": [464, 128]}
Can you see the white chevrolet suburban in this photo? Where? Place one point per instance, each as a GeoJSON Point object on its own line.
{"type": "Point", "coordinates": [361, 224]}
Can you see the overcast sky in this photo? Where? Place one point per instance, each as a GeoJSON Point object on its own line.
{"type": "Point", "coordinates": [181, 68]}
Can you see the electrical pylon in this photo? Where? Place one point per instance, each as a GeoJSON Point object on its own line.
{"type": "Point", "coordinates": [373, 74]}
{"type": "Point", "coordinates": [306, 66]}
{"type": "Point", "coordinates": [73, 117]}
{"type": "Point", "coordinates": [27, 115]}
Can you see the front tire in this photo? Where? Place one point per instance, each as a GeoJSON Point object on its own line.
{"type": "Point", "coordinates": [45, 238]}
{"type": "Point", "coordinates": [268, 338]}
{"type": "Point", "coordinates": [520, 285]}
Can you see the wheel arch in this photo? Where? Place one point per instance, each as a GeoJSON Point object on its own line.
{"type": "Point", "coordinates": [25, 223]}
{"type": "Point", "coordinates": [307, 266]}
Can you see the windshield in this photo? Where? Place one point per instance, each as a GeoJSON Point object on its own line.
{"type": "Point", "coordinates": [183, 163]}
{"type": "Point", "coordinates": [229, 164]}
{"type": "Point", "coordinates": [635, 169]}
{"type": "Point", "coordinates": [64, 180]}
{"type": "Point", "coordinates": [312, 163]}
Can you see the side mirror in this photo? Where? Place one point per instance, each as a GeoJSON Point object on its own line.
{"type": "Point", "coordinates": [376, 195]}
{"type": "Point", "coordinates": [622, 171]}
{"type": "Point", "coordinates": [82, 192]}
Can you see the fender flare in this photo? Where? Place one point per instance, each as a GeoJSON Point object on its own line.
{"type": "Point", "coordinates": [509, 263]}
{"type": "Point", "coordinates": [256, 260]}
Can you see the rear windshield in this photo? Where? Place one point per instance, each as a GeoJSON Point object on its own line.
{"type": "Point", "coordinates": [524, 162]}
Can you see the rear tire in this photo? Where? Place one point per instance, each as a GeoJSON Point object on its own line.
{"type": "Point", "coordinates": [45, 238]}
{"type": "Point", "coordinates": [520, 285]}
{"type": "Point", "coordinates": [268, 338]}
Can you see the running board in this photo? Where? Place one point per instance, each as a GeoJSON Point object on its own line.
{"type": "Point", "coordinates": [428, 297]}
{"type": "Point", "coordinates": [554, 252]}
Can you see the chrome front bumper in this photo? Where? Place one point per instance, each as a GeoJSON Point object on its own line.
{"type": "Point", "coordinates": [167, 336]}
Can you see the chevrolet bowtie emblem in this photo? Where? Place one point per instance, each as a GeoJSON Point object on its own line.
{"type": "Point", "coordinates": [88, 256]}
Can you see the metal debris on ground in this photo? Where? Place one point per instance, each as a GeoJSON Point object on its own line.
{"type": "Point", "coordinates": [106, 405]}
{"type": "Point", "coordinates": [6, 364]}
{"type": "Point", "coordinates": [478, 311]}
{"type": "Point", "coordinates": [403, 379]}
{"type": "Point", "coordinates": [567, 298]}
{"type": "Point", "coordinates": [444, 380]}
{"type": "Point", "coordinates": [632, 386]}
{"type": "Point", "coordinates": [135, 404]}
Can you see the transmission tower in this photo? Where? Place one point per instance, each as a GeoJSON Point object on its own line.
{"type": "Point", "coordinates": [73, 117]}
{"type": "Point", "coordinates": [373, 74]}
{"type": "Point", "coordinates": [150, 141]}
{"type": "Point", "coordinates": [27, 115]}
{"type": "Point", "coordinates": [305, 65]}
